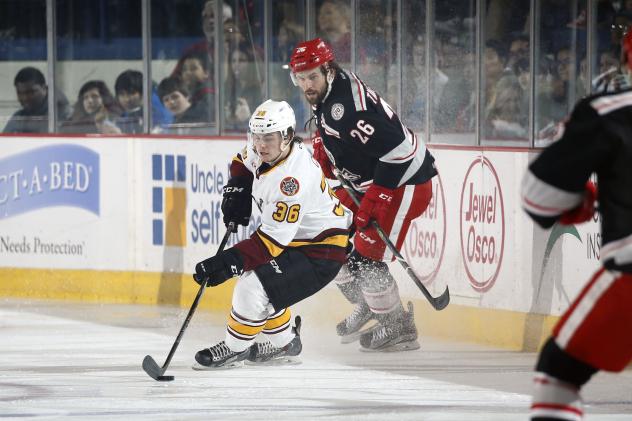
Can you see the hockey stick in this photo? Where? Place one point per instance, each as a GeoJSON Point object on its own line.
{"type": "Point", "coordinates": [149, 364]}
{"type": "Point", "coordinates": [440, 302]}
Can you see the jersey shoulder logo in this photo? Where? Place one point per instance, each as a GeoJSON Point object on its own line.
{"type": "Point", "coordinates": [289, 186]}
{"type": "Point", "coordinates": [337, 111]}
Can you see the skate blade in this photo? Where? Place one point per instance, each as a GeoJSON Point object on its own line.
{"type": "Point", "coordinates": [352, 337]}
{"type": "Point", "coordinates": [199, 367]}
{"type": "Point", "coordinates": [276, 362]}
{"type": "Point", "coordinates": [400, 347]}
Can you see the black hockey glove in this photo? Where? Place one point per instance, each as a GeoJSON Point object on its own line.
{"type": "Point", "coordinates": [237, 202]}
{"type": "Point", "coordinates": [219, 268]}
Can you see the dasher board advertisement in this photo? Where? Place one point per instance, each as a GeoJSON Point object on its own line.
{"type": "Point", "coordinates": [64, 203]}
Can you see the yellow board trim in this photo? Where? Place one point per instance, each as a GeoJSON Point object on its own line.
{"type": "Point", "coordinates": [111, 287]}
{"type": "Point", "coordinates": [500, 328]}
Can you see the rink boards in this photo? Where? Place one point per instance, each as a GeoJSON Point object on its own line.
{"type": "Point", "coordinates": [125, 220]}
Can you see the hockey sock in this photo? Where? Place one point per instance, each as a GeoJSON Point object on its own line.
{"type": "Point", "coordinates": [349, 285]}
{"type": "Point", "coordinates": [278, 329]}
{"type": "Point", "coordinates": [555, 400]}
{"type": "Point", "coordinates": [559, 377]}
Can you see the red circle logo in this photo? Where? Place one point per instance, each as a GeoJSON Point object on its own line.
{"type": "Point", "coordinates": [482, 224]}
{"type": "Point", "coordinates": [425, 240]}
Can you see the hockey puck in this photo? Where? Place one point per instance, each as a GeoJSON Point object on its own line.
{"type": "Point", "coordinates": [165, 378]}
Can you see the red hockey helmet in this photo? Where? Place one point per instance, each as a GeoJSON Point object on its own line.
{"type": "Point", "coordinates": [626, 46]}
{"type": "Point", "coordinates": [310, 54]}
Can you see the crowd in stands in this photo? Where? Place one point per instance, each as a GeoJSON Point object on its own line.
{"type": "Point", "coordinates": [182, 103]}
{"type": "Point", "coordinates": [185, 102]}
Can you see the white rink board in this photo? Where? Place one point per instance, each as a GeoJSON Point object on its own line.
{"type": "Point", "coordinates": [206, 171]}
{"type": "Point", "coordinates": [474, 236]}
{"type": "Point", "coordinates": [441, 245]}
{"type": "Point", "coordinates": [65, 203]}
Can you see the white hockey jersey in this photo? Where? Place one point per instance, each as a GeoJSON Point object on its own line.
{"type": "Point", "coordinates": [298, 208]}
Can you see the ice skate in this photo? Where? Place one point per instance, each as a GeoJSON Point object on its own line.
{"type": "Point", "coordinates": [219, 356]}
{"type": "Point", "coordinates": [351, 328]}
{"type": "Point", "coordinates": [264, 353]}
{"type": "Point", "coordinates": [395, 335]}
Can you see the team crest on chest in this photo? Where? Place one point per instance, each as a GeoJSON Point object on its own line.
{"type": "Point", "coordinates": [289, 186]}
{"type": "Point", "coordinates": [337, 111]}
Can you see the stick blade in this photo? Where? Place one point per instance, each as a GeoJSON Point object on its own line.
{"type": "Point", "coordinates": [155, 372]}
{"type": "Point", "coordinates": [442, 301]}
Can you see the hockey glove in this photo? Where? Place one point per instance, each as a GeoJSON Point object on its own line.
{"type": "Point", "coordinates": [321, 157]}
{"type": "Point", "coordinates": [585, 210]}
{"type": "Point", "coordinates": [237, 201]}
{"type": "Point", "coordinates": [219, 268]}
{"type": "Point", "coordinates": [374, 205]}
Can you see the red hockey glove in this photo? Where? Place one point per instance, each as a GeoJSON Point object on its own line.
{"type": "Point", "coordinates": [374, 205]}
{"type": "Point", "coordinates": [585, 210]}
{"type": "Point", "coordinates": [321, 157]}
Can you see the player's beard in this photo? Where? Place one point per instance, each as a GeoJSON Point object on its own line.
{"type": "Point", "coordinates": [318, 97]}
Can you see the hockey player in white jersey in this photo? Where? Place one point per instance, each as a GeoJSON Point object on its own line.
{"type": "Point", "coordinates": [298, 249]}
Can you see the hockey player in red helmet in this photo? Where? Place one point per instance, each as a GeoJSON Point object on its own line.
{"type": "Point", "coordinates": [594, 332]}
{"type": "Point", "coordinates": [362, 139]}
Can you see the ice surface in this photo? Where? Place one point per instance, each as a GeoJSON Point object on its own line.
{"type": "Point", "coordinates": [60, 360]}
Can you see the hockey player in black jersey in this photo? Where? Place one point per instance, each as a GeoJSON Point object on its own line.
{"type": "Point", "coordinates": [594, 333]}
{"type": "Point", "coordinates": [362, 140]}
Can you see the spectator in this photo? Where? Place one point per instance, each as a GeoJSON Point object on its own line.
{"type": "Point", "coordinates": [414, 85]}
{"type": "Point", "coordinates": [242, 89]}
{"type": "Point", "coordinates": [505, 116]}
{"type": "Point", "coordinates": [518, 49]}
{"type": "Point", "coordinates": [196, 76]}
{"type": "Point", "coordinates": [457, 106]}
{"type": "Point", "coordinates": [610, 78]}
{"type": "Point", "coordinates": [175, 97]}
{"type": "Point", "coordinates": [494, 61]}
{"type": "Point", "coordinates": [334, 26]}
{"type": "Point", "coordinates": [207, 45]}
{"type": "Point", "coordinates": [564, 81]}
{"type": "Point", "coordinates": [32, 93]}
{"type": "Point", "coordinates": [129, 94]}
{"type": "Point", "coordinates": [208, 19]}
{"type": "Point", "coordinates": [95, 110]}
{"type": "Point", "coordinates": [521, 70]}
{"type": "Point", "coordinates": [289, 34]}
{"type": "Point", "coordinates": [550, 109]}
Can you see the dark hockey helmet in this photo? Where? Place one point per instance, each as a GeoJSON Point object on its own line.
{"type": "Point", "coordinates": [310, 54]}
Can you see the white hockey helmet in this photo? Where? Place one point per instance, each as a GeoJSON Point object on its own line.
{"type": "Point", "coordinates": [272, 116]}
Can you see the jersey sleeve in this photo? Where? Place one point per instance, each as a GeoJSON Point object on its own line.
{"type": "Point", "coordinates": [555, 180]}
{"type": "Point", "coordinates": [239, 165]}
